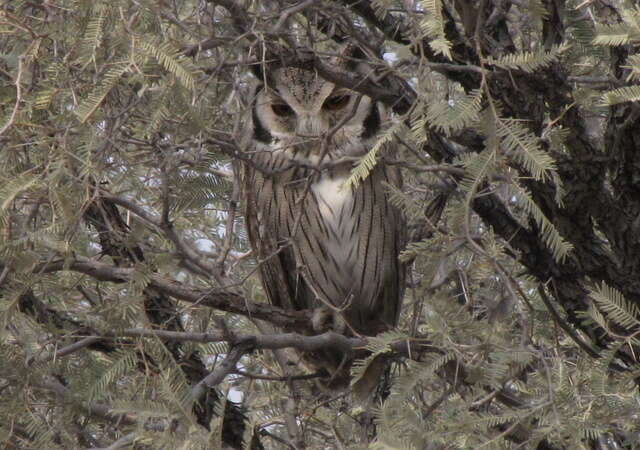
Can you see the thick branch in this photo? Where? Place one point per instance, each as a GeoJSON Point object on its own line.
{"type": "Point", "coordinates": [219, 299]}
{"type": "Point", "coordinates": [227, 366]}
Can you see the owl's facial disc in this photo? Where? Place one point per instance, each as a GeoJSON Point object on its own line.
{"type": "Point", "coordinates": [297, 107]}
{"type": "Point", "coordinates": [336, 102]}
{"type": "Point", "coordinates": [282, 109]}
{"type": "Point", "coordinates": [309, 116]}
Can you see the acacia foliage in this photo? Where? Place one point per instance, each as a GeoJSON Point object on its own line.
{"type": "Point", "coordinates": [130, 306]}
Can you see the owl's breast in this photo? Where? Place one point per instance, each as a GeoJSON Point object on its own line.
{"type": "Point", "coordinates": [333, 197]}
{"type": "Point", "coordinates": [335, 202]}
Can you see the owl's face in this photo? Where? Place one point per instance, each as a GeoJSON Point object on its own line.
{"type": "Point", "coordinates": [297, 106]}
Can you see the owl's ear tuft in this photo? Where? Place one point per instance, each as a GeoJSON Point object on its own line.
{"type": "Point", "coordinates": [353, 51]}
{"type": "Point", "coordinates": [352, 57]}
{"type": "Point", "coordinates": [257, 70]}
{"type": "Point", "coordinates": [263, 73]}
{"type": "Point", "coordinates": [348, 56]}
{"type": "Point", "coordinates": [260, 131]}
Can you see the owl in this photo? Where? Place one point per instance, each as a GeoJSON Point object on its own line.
{"type": "Point", "coordinates": [322, 245]}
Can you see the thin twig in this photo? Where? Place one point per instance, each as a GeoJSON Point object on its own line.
{"type": "Point", "coordinates": [288, 12]}
{"type": "Point", "coordinates": [435, 405]}
{"type": "Point", "coordinates": [166, 227]}
{"type": "Point", "coordinates": [254, 376]}
{"type": "Point", "coordinates": [101, 410]}
{"type": "Point", "coordinates": [18, 81]}
{"type": "Point", "coordinates": [229, 230]}
{"type": "Point", "coordinates": [123, 442]}
{"type": "Point", "coordinates": [565, 326]}
{"type": "Point", "coordinates": [223, 299]}
{"type": "Point", "coordinates": [69, 349]}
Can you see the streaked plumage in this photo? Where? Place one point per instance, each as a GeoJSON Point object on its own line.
{"type": "Point", "coordinates": [321, 245]}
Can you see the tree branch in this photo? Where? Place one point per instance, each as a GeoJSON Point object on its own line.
{"type": "Point", "coordinates": [224, 300]}
{"type": "Point", "coordinates": [227, 366]}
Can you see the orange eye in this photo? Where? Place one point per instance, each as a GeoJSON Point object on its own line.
{"type": "Point", "coordinates": [336, 102]}
{"type": "Point", "coordinates": [282, 109]}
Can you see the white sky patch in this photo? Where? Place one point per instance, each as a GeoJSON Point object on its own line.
{"type": "Point", "coordinates": [182, 276]}
{"type": "Point", "coordinates": [205, 245]}
{"type": "Point", "coordinates": [390, 57]}
{"type": "Point", "coordinates": [235, 395]}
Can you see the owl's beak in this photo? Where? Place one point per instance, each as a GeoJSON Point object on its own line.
{"type": "Point", "coordinates": [311, 125]}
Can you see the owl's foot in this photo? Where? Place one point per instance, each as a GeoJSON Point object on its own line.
{"type": "Point", "coordinates": [325, 319]}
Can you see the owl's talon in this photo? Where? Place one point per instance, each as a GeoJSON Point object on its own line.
{"type": "Point", "coordinates": [324, 319]}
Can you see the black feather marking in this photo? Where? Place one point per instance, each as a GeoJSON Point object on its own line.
{"type": "Point", "coordinates": [371, 123]}
{"type": "Point", "coordinates": [374, 202]}
{"type": "Point", "coordinates": [324, 228]}
{"type": "Point", "coordinates": [260, 133]}
{"type": "Point", "coordinates": [291, 215]}
{"type": "Point", "coordinates": [316, 206]}
{"type": "Point", "coordinates": [350, 255]}
{"type": "Point", "coordinates": [318, 284]}
{"type": "Point", "coordinates": [334, 284]}
{"type": "Point", "coordinates": [318, 243]}
{"type": "Point", "coordinates": [367, 209]}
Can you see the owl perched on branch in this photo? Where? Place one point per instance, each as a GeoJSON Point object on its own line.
{"type": "Point", "coordinates": [322, 245]}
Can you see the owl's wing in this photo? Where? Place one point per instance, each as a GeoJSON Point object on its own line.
{"type": "Point", "coordinates": [276, 259]}
{"type": "Point", "coordinates": [384, 232]}
{"type": "Point", "coordinates": [394, 289]}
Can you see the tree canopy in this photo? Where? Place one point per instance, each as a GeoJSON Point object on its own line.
{"type": "Point", "coordinates": [131, 312]}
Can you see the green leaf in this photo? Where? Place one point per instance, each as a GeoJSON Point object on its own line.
{"type": "Point", "coordinates": [108, 81]}
{"type": "Point", "coordinates": [171, 59]}
{"type": "Point", "coordinates": [523, 146]}
{"type": "Point", "coordinates": [529, 61]}
{"type": "Point", "coordinates": [432, 26]}
{"type": "Point", "coordinates": [368, 161]}
{"type": "Point", "coordinates": [617, 308]}
{"type": "Point", "coordinates": [621, 95]}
